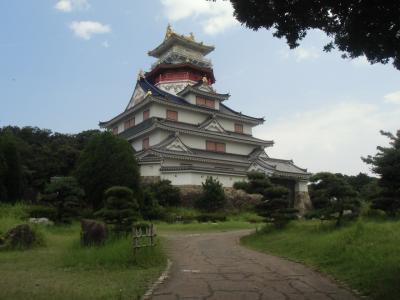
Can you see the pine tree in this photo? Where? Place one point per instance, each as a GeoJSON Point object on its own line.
{"type": "Point", "coordinates": [213, 196]}
{"type": "Point", "coordinates": [64, 194]}
{"type": "Point", "coordinates": [386, 163]}
{"type": "Point", "coordinates": [120, 210]}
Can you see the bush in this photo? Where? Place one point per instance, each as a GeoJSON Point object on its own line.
{"type": "Point", "coordinates": [120, 209]}
{"type": "Point", "coordinates": [165, 193]}
{"type": "Point", "coordinates": [212, 217]}
{"type": "Point", "coordinates": [213, 196]}
{"type": "Point", "coordinates": [21, 237]}
{"type": "Point", "coordinates": [241, 185]}
{"type": "Point", "coordinates": [64, 194]}
{"type": "Point", "coordinates": [41, 211]}
{"type": "Point", "coordinates": [149, 207]}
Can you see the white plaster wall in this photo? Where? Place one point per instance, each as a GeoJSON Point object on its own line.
{"type": "Point", "coordinates": [155, 137]}
{"type": "Point", "coordinates": [230, 125]}
{"type": "Point", "coordinates": [137, 145]}
{"type": "Point", "coordinates": [191, 98]}
{"type": "Point", "coordinates": [199, 178]}
{"type": "Point", "coordinates": [150, 170]}
{"type": "Point", "coordinates": [301, 186]}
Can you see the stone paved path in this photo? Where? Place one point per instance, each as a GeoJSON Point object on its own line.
{"type": "Point", "coordinates": [215, 266]}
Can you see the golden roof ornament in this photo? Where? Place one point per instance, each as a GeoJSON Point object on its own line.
{"type": "Point", "coordinates": [149, 93]}
{"type": "Point", "coordinates": [169, 31]}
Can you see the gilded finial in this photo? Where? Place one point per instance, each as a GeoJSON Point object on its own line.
{"type": "Point", "coordinates": [149, 93]}
{"type": "Point", "coordinates": [191, 36]}
{"type": "Point", "coordinates": [169, 31]}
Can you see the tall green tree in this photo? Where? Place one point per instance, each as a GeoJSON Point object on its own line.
{"type": "Point", "coordinates": [165, 193]}
{"type": "Point", "coordinates": [12, 167]}
{"type": "Point", "coordinates": [106, 161]}
{"type": "Point", "coordinates": [65, 195]}
{"type": "Point", "coordinates": [333, 197]}
{"type": "Point", "coordinates": [355, 27]}
{"type": "Point", "coordinates": [3, 170]}
{"type": "Point", "coordinates": [386, 163]}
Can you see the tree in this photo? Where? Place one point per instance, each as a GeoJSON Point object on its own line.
{"type": "Point", "coordinates": [149, 207]}
{"type": "Point", "coordinates": [12, 168]}
{"type": "Point", "coordinates": [386, 163]}
{"type": "Point", "coordinates": [64, 194]}
{"type": "Point", "coordinates": [275, 207]}
{"type": "Point", "coordinates": [356, 27]}
{"type": "Point", "coordinates": [332, 197]}
{"type": "Point", "coordinates": [165, 193]}
{"type": "Point", "coordinates": [3, 170]}
{"type": "Point", "coordinates": [106, 161]}
{"type": "Point", "coordinates": [120, 209]}
{"type": "Point", "coordinates": [212, 198]}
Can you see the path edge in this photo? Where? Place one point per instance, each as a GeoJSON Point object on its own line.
{"type": "Point", "coordinates": [164, 275]}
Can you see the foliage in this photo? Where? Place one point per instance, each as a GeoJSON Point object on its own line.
{"type": "Point", "coordinates": [363, 254]}
{"type": "Point", "coordinates": [166, 194]}
{"type": "Point", "coordinates": [149, 207]}
{"type": "Point", "coordinates": [386, 163]}
{"type": "Point", "coordinates": [45, 154]}
{"type": "Point", "coordinates": [333, 198]}
{"type": "Point", "coordinates": [64, 194]}
{"type": "Point", "coordinates": [212, 198]}
{"type": "Point", "coordinates": [120, 209]}
{"type": "Point", "coordinates": [357, 28]}
{"type": "Point", "coordinates": [41, 211]}
{"type": "Point", "coordinates": [10, 167]}
{"type": "Point", "coordinates": [106, 161]}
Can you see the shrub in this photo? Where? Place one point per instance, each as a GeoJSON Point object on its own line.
{"type": "Point", "coordinates": [41, 211]}
{"type": "Point", "coordinates": [149, 207]}
{"type": "Point", "coordinates": [165, 193]}
{"type": "Point", "coordinates": [64, 194]}
{"type": "Point", "coordinates": [21, 237]}
{"type": "Point", "coordinates": [213, 196]}
{"type": "Point", "coordinates": [212, 217]}
{"type": "Point", "coordinates": [120, 209]}
{"type": "Point", "coordinates": [241, 185]}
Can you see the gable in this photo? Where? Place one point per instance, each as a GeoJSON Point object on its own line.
{"type": "Point", "coordinates": [177, 145]}
{"type": "Point", "coordinates": [213, 125]}
{"type": "Point", "coordinates": [138, 96]}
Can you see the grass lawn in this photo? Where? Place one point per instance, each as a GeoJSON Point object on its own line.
{"type": "Point", "coordinates": [63, 270]}
{"type": "Point", "coordinates": [365, 254]}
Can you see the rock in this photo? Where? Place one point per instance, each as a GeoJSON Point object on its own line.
{"type": "Point", "coordinates": [42, 221]}
{"type": "Point", "coordinates": [93, 232]}
{"type": "Point", "coordinates": [239, 199]}
{"type": "Point", "coordinates": [21, 236]}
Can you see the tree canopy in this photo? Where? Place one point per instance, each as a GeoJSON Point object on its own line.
{"type": "Point", "coordinates": [356, 27]}
{"type": "Point", "coordinates": [386, 163]}
{"type": "Point", "coordinates": [106, 161]}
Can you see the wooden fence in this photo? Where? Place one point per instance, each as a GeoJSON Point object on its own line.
{"type": "Point", "coordinates": [143, 237]}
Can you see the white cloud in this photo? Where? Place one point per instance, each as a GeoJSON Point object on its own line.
{"type": "Point", "coordinates": [332, 138]}
{"type": "Point", "coordinates": [301, 53]}
{"type": "Point", "coordinates": [393, 97]}
{"type": "Point", "coordinates": [215, 17]}
{"type": "Point", "coordinates": [85, 29]}
{"type": "Point", "coordinates": [70, 5]}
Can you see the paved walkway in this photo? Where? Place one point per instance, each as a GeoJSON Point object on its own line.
{"type": "Point", "coordinates": [215, 266]}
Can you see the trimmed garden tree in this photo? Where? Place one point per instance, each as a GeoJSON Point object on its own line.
{"type": "Point", "coordinates": [120, 210]}
{"type": "Point", "coordinates": [386, 163]}
{"type": "Point", "coordinates": [64, 194]}
{"type": "Point", "coordinates": [165, 193]}
{"type": "Point", "coordinates": [106, 161]}
{"type": "Point", "coordinates": [213, 197]}
{"type": "Point", "coordinates": [333, 198]}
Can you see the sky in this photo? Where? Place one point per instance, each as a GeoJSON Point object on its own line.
{"type": "Point", "coordinates": [65, 65]}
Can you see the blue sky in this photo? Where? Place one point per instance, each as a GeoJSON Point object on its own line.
{"type": "Point", "coordinates": [68, 64]}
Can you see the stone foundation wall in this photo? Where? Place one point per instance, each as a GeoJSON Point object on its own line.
{"type": "Point", "coordinates": [149, 179]}
{"type": "Point", "coordinates": [302, 202]}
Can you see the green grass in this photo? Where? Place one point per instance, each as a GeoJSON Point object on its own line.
{"type": "Point", "coordinates": [63, 270]}
{"type": "Point", "coordinates": [364, 254]}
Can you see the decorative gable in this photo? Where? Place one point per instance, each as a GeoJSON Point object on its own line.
{"type": "Point", "coordinates": [138, 95]}
{"type": "Point", "coordinates": [212, 125]}
{"type": "Point", "coordinates": [177, 145]}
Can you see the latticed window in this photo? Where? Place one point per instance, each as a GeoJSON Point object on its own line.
{"type": "Point", "coordinates": [172, 115]}
{"type": "Point", "coordinates": [145, 143]}
{"type": "Point", "coordinates": [115, 130]}
{"type": "Point", "coordinates": [205, 102]}
{"type": "Point", "coordinates": [129, 123]}
{"type": "Point", "coordinates": [215, 146]}
{"type": "Point", "coordinates": [238, 128]}
{"type": "Point", "coordinates": [146, 114]}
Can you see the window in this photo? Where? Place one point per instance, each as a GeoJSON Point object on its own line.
{"type": "Point", "coordinates": [129, 123]}
{"type": "Point", "coordinates": [146, 114]}
{"type": "Point", "coordinates": [172, 115]}
{"type": "Point", "coordinates": [238, 128]}
{"type": "Point", "coordinates": [215, 146]}
{"type": "Point", "coordinates": [205, 102]}
{"type": "Point", "coordinates": [115, 130]}
{"type": "Point", "coordinates": [145, 144]}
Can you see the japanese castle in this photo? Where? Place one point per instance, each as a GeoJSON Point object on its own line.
{"type": "Point", "coordinates": [183, 131]}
